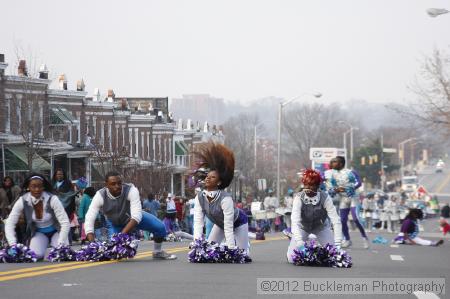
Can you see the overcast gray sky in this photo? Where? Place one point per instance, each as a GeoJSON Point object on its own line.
{"type": "Point", "coordinates": [238, 50]}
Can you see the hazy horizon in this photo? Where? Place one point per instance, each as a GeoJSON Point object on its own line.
{"type": "Point", "coordinates": [235, 50]}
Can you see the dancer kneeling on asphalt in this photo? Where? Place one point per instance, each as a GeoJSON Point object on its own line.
{"type": "Point", "coordinates": [45, 218]}
{"type": "Point", "coordinates": [230, 223]}
{"type": "Point", "coordinates": [121, 205]}
{"type": "Point", "coordinates": [312, 211]}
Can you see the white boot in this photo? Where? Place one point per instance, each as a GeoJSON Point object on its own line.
{"type": "Point", "coordinates": [366, 243]}
{"type": "Point", "coordinates": [346, 243]}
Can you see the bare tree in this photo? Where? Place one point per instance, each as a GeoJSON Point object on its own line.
{"type": "Point", "coordinates": [145, 175]}
{"type": "Point", "coordinates": [240, 137]}
{"type": "Point", "coordinates": [432, 88]}
{"type": "Point", "coordinates": [30, 107]}
{"type": "Point", "coordinates": [311, 125]}
{"type": "Point", "coordinates": [239, 131]}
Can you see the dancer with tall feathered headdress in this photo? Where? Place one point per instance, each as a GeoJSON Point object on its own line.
{"type": "Point", "coordinates": [230, 223]}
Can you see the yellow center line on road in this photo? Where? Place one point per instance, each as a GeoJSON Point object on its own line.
{"type": "Point", "coordinates": [76, 265]}
{"type": "Point", "coordinates": [269, 239]}
{"type": "Point", "coordinates": [30, 269]}
{"type": "Point", "coordinates": [58, 265]}
{"type": "Point", "coordinates": [443, 184]}
{"type": "Point", "coordinates": [71, 264]}
{"type": "Point", "coordinates": [67, 266]}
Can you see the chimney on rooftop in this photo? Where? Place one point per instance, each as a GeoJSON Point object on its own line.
{"type": "Point", "coordinates": [3, 64]}
{"type": "Point", "coordinates": [80, 85]}
{"type": "Point", "coordinates": [111, 96]}
{"type": "Point", "coordinates": [189, 124]}
{"type": "Point", "coordinates": [43, 72]}
{"type": "Point", "coordinates": [124, 104]}
{"type": "Point", "coordinates": [22, 69]}
{"type": "Point", "coordinates": [62, 82]}
{"type": "Point", "coordinates": [96, 96]}
{"type": "Point", "coordinates": [159, 117]}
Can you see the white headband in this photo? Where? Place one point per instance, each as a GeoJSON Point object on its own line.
{"type": "Point", "coordinates": [36, 177]}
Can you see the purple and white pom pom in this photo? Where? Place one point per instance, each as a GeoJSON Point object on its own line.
{"type": "Point", "coordinates": [121, 246]}
{"type": "Point", "coordinates": [62, 253]}
{"type": "Point", "coordinates": [172, 238]}
{"type": "Point", "coordinates": [324, 256]}
{"type": "Point", "coordinates": [17, 253]}
{"type": "Point", "coordinates": [203, 251]}
{"type": "Point", "coordinates": [93, 252]}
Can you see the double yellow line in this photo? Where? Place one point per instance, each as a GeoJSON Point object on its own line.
{"type": "Point", "coordinates": [444, 183]}
{"type": "Point", "coordinates": [68, 266]}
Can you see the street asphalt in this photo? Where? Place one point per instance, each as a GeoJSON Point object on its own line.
{"type": "Point", "coordinates": [143, 277]}
{"type": "Point", "coordinates": [146, 278]}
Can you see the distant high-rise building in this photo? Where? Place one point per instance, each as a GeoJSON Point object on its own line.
{"type": "Point", "coordinates": [201, 107]}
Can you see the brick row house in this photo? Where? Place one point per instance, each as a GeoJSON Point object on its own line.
{"type": "Point", "coordinates": [44, 128]}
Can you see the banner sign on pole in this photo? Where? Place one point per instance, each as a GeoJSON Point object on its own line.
{"type": "Point", "coordinates": [389, 150]}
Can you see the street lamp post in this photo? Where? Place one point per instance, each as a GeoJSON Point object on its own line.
{"type": "Point", "coordinates": [344, 144]}
{"type": "Point", "coordinates": [352, 128]}
{"type": "Point", "coordinates": [401, 151]}
{"type": "Point", "coordinates": [255, 153]}
{"type": "Point", "coordinates": [413, 150]}
{"type": "Point", "coordinates": [255, 146]}
{"type": "Point", "coordinates": [280, 114]}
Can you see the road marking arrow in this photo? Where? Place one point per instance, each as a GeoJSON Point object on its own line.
{"type": "Point", "coordinates": [397, 257]}
{"type": "Point", "coordinates": [423, 295]}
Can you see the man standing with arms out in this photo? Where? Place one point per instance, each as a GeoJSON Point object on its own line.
{"type": "Point", "coordinates": [288, 200]}
{"type": "Point", "coordinates": [270, 204]}
{"type": "Point", "coordinates": [341, 184]}
{"type": "Point", "coordinates": [122, 208]}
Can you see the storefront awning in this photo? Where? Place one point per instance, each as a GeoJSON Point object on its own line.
{"type": "Point", "coordinates": [16, 159]}
{"type": "Point", "coordinates": [61, 116]}
{"type": "Point", "coordinates": [181, 148]}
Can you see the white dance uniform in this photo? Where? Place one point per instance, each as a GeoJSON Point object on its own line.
{"type": "Point", "coordinates": [323, 203]}
{"type": "Point", "coordinates": [230, 223]}
{"type": "Point", "coordinates": [44, 230]}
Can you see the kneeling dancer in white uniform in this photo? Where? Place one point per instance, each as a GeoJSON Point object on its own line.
{"type": "Point", "coordinates": [312, 212]}
{"type": "Point", "coordinates": [45, 218]}
{"type": "Point", "coordinates": [230, 223]}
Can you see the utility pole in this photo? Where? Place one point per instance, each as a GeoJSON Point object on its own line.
{"type": "Point", "coordinates": [3, 160]}
{"type": "Point", "coordinates": [351, 147]}
{"type": "Point", "coordinates": [382, 176]}
{"type": "Point", "coordinates": [345, 141]}
{"type": "Point", "coordinates": [255, 153]}
{"type": "Point", "coordinates": [280, 108]}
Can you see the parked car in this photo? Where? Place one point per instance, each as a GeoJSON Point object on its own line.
{"type": "Point", "coordinates": [440, 166]}
{"type": "Point", "coordinates": [410, 183]}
